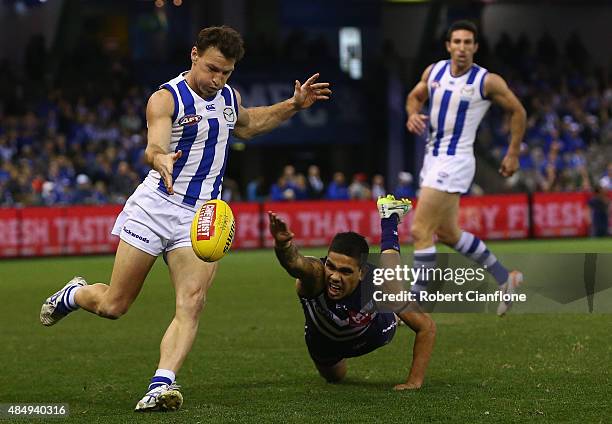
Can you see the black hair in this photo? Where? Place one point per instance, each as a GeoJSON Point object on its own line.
{"type": "Point", "coordinates": [350, 244]}
{"type": "Point", "coordinates": [226, 39]}
{"type": "Point", "coordinates": [463, 24]}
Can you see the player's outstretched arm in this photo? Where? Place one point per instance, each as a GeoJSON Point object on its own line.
{"type": "Point", "coordinates": [159, 129]}
{"type": "Point", "coordinates": [417, 122]}
{"type": "Point", "coordinates": [308, 270]}
{"type": "Point", "coordinates": [253, 121]}
{"type": "Point", "coordinates": [425, 329]}
{"type": "Point", "coordinates": [497, 90]}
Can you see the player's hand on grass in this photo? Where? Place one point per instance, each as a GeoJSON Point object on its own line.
{"type": "Point", "coordinates": [309, 92]}
{"type": "Point", "coordinates": [407, 386]}
{"type": "Point", "coordinates": [417, 122]}
{"type": "Point", "coordinates": [164, 164]}
{"type": "Point", "coordinates": [279, 229]}
{"type": "Point", "coordinates": [509, 165]}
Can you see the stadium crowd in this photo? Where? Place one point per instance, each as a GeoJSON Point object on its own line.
{"type": "Point", "coordinates": [568, 143]}
{"type": "Point", "coordinates": [88, 149]}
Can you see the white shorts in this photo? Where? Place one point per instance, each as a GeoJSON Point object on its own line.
{"type": "Point", "coordinates": [153, 224]}
{"type": "Point", "coordinates": [451, 174]}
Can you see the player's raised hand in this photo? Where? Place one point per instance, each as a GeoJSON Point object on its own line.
{"type": "Point", "coordinates": [279, 229]}
{"type": "Point", "coordinates": [417, 122]}
{"type": "Point", "coordinates": [309, 92]}
{"type": "Point", "coordinates": [509, 165]}
{"type": "Point", "coordinates": [164, 164]}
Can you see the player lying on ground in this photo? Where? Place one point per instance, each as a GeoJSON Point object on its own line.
{"type": "Point", "coordinates": [189, 121]}
{"type": "Point", "coordinates": [339, 323]}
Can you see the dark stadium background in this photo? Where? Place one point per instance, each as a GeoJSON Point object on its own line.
{"type": "Point", "coordinates": [75, 76]}
{"type": "Point", "coordinates": [74, 79]}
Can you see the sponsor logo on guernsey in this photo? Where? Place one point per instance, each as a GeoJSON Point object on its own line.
{"type": "Point", "coordinates": [210, 107]}
{"type": "Point", "coordinates": [228, 114]}
{"type": "Point", "coordinates": [138, 236]}
{"type": "Point", "coordinates": [190, 120]}
{"type": "Point", "coordinates": [206, 229]}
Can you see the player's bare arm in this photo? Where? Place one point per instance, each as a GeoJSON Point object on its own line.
{"type": "Point", "coordinates": [309, 271]}
{"type": "Point", "coordinates": [417, 122]}
{"type": "Point", "coordinates": [253, 121]}
{"type": "Point", "coordinates": [420, 322]}
{"type": "Point", "coordinates": [497, 90]}
{"type": "Point", "coordinates": [425, 328]}
{"type": "Point", "coordinates": [159, 123]}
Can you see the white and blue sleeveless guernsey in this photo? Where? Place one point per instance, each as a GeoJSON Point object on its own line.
{"type": "Point", "coordinates": [200, 128]}
{"type": "Point", "coordinates": [456, 107]}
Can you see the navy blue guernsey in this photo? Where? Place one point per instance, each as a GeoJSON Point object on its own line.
{"type": "Point", "coordinates": [348, 327]}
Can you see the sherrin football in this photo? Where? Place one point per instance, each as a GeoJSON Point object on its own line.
{"type": "Point", "coordinates": [212, 230]}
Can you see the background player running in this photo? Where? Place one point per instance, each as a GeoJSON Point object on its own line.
{"type": "Point", "coordinates": [459, 93]}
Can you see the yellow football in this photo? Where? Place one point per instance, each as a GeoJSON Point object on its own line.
{"type": "Point", "coordinates": [212, 230]}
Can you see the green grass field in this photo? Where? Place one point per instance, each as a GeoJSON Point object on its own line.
{"type": "Point", "coordinates": [250, 364]}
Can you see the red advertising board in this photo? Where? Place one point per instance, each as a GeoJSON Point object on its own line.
{"type": "Point", "coordinates": [67, 230]}
{"type": "Point", "coordinates": [248, 225]}
{"type": "Point", "coordinates": [495, 216]}
{"type": "Point", "coordinates": [40, 231]}
{"type": "Point", "coordinates": [315, 223]}
{"type": "Point", "coordinates": [610, 213]}
{"type": "Point", "coordinates": [561, 214]}
{"type": "Point", "coordinates": [86, 229]}
{"type": "Point", "coordinates": [9, 233]}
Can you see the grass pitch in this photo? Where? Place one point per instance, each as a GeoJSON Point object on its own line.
{"type": "Point", "coordinates": [250, 364]}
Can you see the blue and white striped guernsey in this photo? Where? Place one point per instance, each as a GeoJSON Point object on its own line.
{"type": "Point", "coordinates": [456, 107]}
{"type": "Point", "coordinates": [200, 128]}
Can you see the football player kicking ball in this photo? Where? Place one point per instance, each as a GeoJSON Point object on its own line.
{"type": "Point", "coordinates": [340, 321]}
{"type": "Point", "coordinates": [189, 121]}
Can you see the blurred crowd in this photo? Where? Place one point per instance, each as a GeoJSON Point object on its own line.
{"type": "Point", "coordinates": [77, 148]}
{"type": "Point", "coordinates": [73, 151]}
{"type": "Point", "coordinates": [292, 185]}
{"type": "Point", "coordinates": [568, 143]}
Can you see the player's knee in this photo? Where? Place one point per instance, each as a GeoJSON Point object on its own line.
{"type": "Point", "coordinates": [112, 310]}
{"type": "Point", "coordinates": [335, 376]}
{"type": "Point", "coordinates": [191, 302]}
{"type": "Point", "coordinates": [335, 373]}
{"type": "Point", "coordinates": [447, 236]}
{"type": "Point", "coordinates": [419, 232]}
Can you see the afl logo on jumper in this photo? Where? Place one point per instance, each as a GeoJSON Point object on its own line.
{"type": "Point", "coordinates": [228, 114]}
{"type": "Point", "coordinates": [189, 120]}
